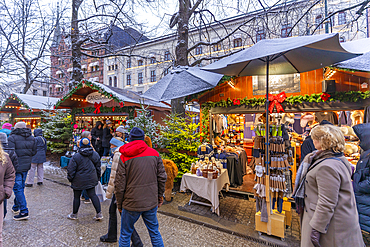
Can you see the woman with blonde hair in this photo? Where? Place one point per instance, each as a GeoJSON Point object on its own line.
{"type": "Point", "coordinates": [7, 178]}
{"type": "Point", "coordinates": [324, 195]}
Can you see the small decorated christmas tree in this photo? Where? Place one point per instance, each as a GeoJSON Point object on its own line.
{"type": "Point", "coordinates": [57, 129]}
{"type": "Point", "coordinates": [151, 128]}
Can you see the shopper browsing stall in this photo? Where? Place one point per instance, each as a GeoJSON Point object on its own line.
{"type": "Point", "coordinates": [107, 136]}
{"type": "Point", "coordinates": [324, 194]}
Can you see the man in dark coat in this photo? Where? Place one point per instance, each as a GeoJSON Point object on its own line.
{"type": "Point", "coordinates": [13, 158]}
{"type": "Point", "coordinates": [97, 138]}
{"type": "Point", "coordinates": [38, 160]}
{"type": "Point", "coordinates": [23, 142]}
{"type": "Point", "coordinates": [307, 146]}
{"type": "Point", "coordinates": [107, 136]}
{"type": "Point", "coordinates": [361, 178]}
{"type": "Point", "coordinates": [84, 173]}
{"type": "Point", "coordinates": [139, 187]}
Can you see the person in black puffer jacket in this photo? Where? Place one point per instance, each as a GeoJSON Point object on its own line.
{"type": "Point", "coordinates": [23, 142]}
{"type": "Point", "coordinates": [38, 160]}
{"type": "Point", "coordinates": [97, 137]}
{"type": "Point", "coordinates": [361, 177]}
{"type": "Point", "coordinates": [84, 173]}
{"type": "Point", "coordinates": [13, 157]}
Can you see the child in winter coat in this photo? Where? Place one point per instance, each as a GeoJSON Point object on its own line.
{"type": "Point", "coordinates": [38, 160]}
{"type": "Point", "coordinates": [84, 173]}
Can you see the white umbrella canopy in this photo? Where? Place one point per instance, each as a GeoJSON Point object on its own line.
{"type": "Point", "coordinates": [285, 56]}
{"type": "Point", "coordinates": [180, 82]}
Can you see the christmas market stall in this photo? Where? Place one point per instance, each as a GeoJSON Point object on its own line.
{"type": "Point", "coordinates": [256, 121]}
{"type": "Point", "coordinates": [27, 108]}
{"type": "Point", "coordinates": [91, 102]}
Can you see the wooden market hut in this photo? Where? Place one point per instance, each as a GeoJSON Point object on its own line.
{"type": "Point", "coordinates": [342, 87]}
{"type": "Point", "coordinates": [27, 108]}
{"type": "Point", "coordinates": [91, 102]}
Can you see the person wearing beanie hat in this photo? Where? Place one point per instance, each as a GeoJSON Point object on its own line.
{"type": "Point", "coordinates": [6, 128]}
{"type": "Point", "coordinates": [20, 125]}
{"type": "Point", "coordinates": [24, 144]}
{"type": "Point", "coordinates": [84, 173]}
{"type": "Point", "coordinates": [120, 131]}
{"type": "Point", "coordinates": [139, 187]}
{"type": "Point", "coordinates": [136, 134]}
{"type": "Point", "coordinates": [97, 137]}
{"type": "Point", "coordinates": [13, 157]}
{"type": "Point", "coordinates": [111, 236]}
{"type": "Point", "coordinates": [307, 146]}
{"type": "Point", "coordinates": [107, 136]}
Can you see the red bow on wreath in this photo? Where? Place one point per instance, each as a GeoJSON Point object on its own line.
{"type": "Point", "coordinates": [277, 100]}
{"type": "Point", "coordinates": [325, 96]}
{"type": "Point", "coordinates": [83, 110]}
{"type": "Point", "coordinates": [236, 101]}
{"type": "Point", "coordinates": [97, 107]}
{"type": "Point", "coordinates": [121, 104]}
{"type": "Point", "coordinates": [113, 109]}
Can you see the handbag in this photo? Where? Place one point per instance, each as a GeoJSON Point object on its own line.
{"type": "Point", "coordinates": [99, 191]}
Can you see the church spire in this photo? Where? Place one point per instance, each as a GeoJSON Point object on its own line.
{"type": "Point", "coordinates": [57, 31]}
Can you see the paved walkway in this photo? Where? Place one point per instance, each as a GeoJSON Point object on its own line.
{"type": "Point", "coordinates": [48, 226]}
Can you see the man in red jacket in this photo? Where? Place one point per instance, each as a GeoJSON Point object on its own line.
{"type": "Point", "coordinates": [139, 187]}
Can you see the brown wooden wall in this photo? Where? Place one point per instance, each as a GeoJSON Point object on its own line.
{"type": "Point", "coordinates": [311, 82]}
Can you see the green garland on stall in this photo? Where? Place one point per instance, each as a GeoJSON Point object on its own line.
{"type": "Point", "coordinates": [14, 97]}
{"type": "Point", "coordinates": [90, 85]}
{"type": "Point", "coordinates": [350, 96]}
{"type": "Point", "coordinates": [126, 109]}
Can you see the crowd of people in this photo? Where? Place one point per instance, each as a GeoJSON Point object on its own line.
{"type": "Point", "coordinates": [332, 199]}
{"type": "Point", "coordinates": [136, 184]}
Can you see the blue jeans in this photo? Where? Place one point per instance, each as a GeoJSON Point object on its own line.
{"type": "Point", "coordinates": [5, 210]}
{"type": "Point", "coordinates": [20, 200]}
{"type": "Point", "coordinates": [84, 195]}
{"type": "Point", "coordinates": [129, 218]}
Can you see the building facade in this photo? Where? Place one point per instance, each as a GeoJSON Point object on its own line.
{"type": "Point", "coordinates": [139, 68]}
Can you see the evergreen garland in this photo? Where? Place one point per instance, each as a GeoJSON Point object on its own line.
{"type": "Point", "coordinates": [350, 96]}
{"type": "Point", "coordinates": [126, 109]}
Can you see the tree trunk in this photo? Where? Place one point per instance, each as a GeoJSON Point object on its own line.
{"type": "Point", "coordinates": [77, 74]}
{"type": "Point", "coordinates": [177, 105]}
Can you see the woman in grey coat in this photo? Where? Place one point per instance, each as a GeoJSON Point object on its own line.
{"type": "Point", "coordinates": [38, 160]}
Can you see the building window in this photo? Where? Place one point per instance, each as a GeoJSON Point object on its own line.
{"type": "Point", "coordinates": [44, 93]}
{"type": "Point", "coordinates": [153, 60]}
{"type": "Point", "coordinates": [140, 92]}
{"type": "Point", "coordinates": [166, 71]}
{"type": "Point", "coordinates": [51, 90]}
{"type": "Point", "coordinates": [153, 76]}
{"type": "Point", "coordinates": [140, 78]}
{"type": "Point", "coordinates": [237, 42]}
{"type": "Point", "coordinates": [110, 81]}
{"type": "Point", "coordinates": [34, 92]}
{"type": "Point", "coordinates": [128, 63]}
{"type": "Point", "coordinates": [97, 68]}
{"type": "Point", "coordinates": [332, 20]}
{"type": "Point", "coordinates": [217, 47]}
{"type": "Point", "coordinates": [128, 80]}
{"type": "Point", "coordinates": [260, 35]}
{"type": "Point", "coordinates": [285, 30]}
{"type": "Point", "coordinates": [140, 63]}
{"type": "Point", "coordinates": [167, 56]}
{"type": "Point", "coordinates": [109, 68]}
{"type": "Point", "coordinates": [342, 18]}
{"type": "Point", "coordinates": [115, 81]}
{"type": "Point", "coordinates": [318, 20]}
{"type": "Point", "coordinates": [198, 50]}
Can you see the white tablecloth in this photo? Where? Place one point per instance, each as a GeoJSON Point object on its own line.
{"type": "Point", "coordinates": [205, 188]}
